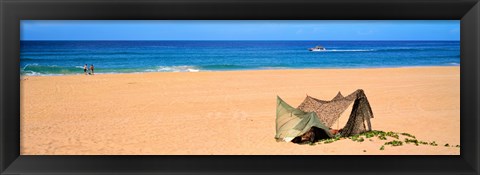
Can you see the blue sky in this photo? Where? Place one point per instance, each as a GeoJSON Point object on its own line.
{"type": "Point", "coordinates": [240, 30]}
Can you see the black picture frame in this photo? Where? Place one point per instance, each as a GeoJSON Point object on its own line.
{"type": "Point", "coordinates": [12, 11]}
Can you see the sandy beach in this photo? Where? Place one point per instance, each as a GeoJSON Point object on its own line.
{"type": "Point", "coordinates": [231, 112]}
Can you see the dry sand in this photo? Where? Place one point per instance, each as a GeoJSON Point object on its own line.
{"type": "Point", "coordinates": [229, 112]}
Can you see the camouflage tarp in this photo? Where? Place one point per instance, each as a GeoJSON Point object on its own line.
{"type": "Point", "coordinates": [329, 111]}
{"type": "Point", "coordinates": [291, 122]}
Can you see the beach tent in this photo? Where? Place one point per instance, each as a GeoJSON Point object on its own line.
{"type": "Point", "coordinates": [328, 112]}
{"type": "Point", "coordinates": [291, 122]}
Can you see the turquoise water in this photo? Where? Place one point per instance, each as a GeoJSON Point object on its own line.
{"type": "Point", "coordinates": [68, 57]}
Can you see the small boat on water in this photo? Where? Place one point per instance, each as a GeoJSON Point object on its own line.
{"type": "Point", "coordinates": [317, 49]}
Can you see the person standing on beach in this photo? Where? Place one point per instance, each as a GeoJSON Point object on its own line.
{"type": "Point", "coordinates": [85, 69]}
{"type": "Point", "coordinates": [91, 69]}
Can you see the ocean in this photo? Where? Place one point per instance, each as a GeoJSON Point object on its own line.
{"type": "Point", "coordinates": [68, 57]}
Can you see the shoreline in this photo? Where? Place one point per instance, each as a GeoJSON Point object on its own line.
{"type": "Point", "coordinates": [244, 70]}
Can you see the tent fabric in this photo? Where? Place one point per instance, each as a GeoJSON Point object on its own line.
{"type": "Point", "coordinates": [328, 112]}
{"type": "Point", "coordinates": [292, 122]}
{"type": "Point", "coordinates": [361, 114]}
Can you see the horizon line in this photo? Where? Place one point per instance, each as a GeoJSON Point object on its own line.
{"type": "Point", "coordinates": [239, 40]}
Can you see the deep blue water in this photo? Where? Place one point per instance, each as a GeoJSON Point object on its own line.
{"type": "Point", "coordinates": [68, 57]}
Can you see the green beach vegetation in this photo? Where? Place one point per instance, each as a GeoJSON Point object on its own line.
{"type": "Point", "coordinates": [382, 135]}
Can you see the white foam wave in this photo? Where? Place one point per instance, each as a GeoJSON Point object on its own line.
{"type": "Point", "coordinates": [33, 73]}
{"type": "Point", "coordinates": [268, 68]}
{"type": "Point", "coordinates": [454, 64]}
{"type": "Point", "coordinates": [174, 69]}
{"type": "Point", "coordinates": [34, 64]}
